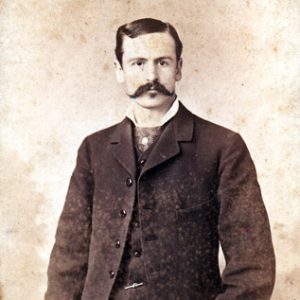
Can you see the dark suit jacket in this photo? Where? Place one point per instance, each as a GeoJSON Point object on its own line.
{"type": "Point", "coordinates": [197, 188]}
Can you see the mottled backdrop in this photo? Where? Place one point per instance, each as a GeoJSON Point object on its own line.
{"type": "Point", "coordinates": [241, 70]}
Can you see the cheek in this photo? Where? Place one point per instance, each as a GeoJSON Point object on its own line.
{"type": "Point", "coordinates": [132, 83]}
{"type": "Point", "coordinates": [168, 79]}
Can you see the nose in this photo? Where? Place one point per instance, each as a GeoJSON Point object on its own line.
{"type": "Point", "coordinates": [151, 72]}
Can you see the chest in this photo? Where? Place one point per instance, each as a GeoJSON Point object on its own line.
{"type": "Point", "coordinates": [179, 184]}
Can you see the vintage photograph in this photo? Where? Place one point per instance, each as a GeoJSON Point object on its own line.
{"type": "Point", "coordinates": [149, 150]}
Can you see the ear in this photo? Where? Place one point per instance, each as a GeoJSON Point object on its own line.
{"type": "Point", "coordinates": [119, 72]}
{"type": "Point", "coordinates": [178, 71]}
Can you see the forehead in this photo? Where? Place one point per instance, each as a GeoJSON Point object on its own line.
{"type": "Point", "coordinates": [150, 45]}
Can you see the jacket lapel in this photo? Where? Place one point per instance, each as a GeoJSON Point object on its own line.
{"type": "Point", "coordinates": [178, 130]}
{"type": "Point", "coordinates": [122, 146]}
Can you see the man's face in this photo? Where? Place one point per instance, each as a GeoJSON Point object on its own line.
{"type": "Point", "coordinates": [150, 69]}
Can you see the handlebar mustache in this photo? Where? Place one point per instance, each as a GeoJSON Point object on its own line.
{"type": "Point", "coordinates": [155, 85]}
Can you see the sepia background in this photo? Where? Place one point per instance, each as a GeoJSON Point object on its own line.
{"type": "Point", "coordinates": [241, 70]}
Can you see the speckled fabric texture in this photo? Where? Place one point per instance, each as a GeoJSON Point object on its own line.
{"type": "Point", "coordinates": [199, 187]}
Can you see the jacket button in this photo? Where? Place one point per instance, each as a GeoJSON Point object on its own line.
{"type": "Point", "coordinates": [129, 182]}
{"type": "Point", "coordinates": [118, 243]}
{"type": "Point", "coordinates": [137, 253]}
{"type": "Point", "coordinates": [111, 274]}
{"type": "Point", "coordinates": [142, 162]}
{"type": "Point", "coordinates": [123, 213]}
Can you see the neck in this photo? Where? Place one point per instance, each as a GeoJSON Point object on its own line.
{"type": "Point", "coordinates": [150, 117]}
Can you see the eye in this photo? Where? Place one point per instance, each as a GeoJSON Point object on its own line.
{"type": "Point", "coordinates": [138, 63]}
{"type": "Point", "coordinates": [163, 63]}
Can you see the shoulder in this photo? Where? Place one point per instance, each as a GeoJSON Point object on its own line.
{"type": "Point", "coordinates": [209, 133]}
{"type": "Point", "coordinates": [106, 134]}
{"type": "Point", "coordinates": [210, 128]}
{"type": "Point", "coordinates": [214, 140]}
{"type": "Point", "coordinates": [219, 143]}
{"type": "Point", "coordinates": [98, 141]}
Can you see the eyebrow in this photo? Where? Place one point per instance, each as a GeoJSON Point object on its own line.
{"type": "Point", "coordinates": [165, 57]}
{"type": "Point", "coordinates": [143, 58]}
{"type": "Point", "coordinates": [135, 58]}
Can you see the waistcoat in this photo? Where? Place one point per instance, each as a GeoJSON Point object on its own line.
{"type": "Point", "coordinates": [131, 282]}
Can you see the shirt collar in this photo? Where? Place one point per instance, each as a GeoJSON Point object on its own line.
{"type": "Point", "coordinates": [168, 116]}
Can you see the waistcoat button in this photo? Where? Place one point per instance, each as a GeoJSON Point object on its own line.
{"type": "Point", "coordinates": [129, 182]}
{"type": "Point", "coordinates": [123, 213]}
{"type": "Point", "coordinates": [111, 274]}
{"type": "Point", "coordinates": [136, 224]}
{"type": "Point", "coordinates": [137, 253]}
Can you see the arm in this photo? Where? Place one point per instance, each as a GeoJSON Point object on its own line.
{"type": "Point", "coordinates": [69, 257]}
{"type": "Point", "coordinates": [244, 229]}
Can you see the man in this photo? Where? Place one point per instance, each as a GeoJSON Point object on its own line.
{"type": "Point", "coordinates": [152, 197]}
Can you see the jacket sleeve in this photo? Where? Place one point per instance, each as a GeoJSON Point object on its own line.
{"type": "Point", "coordinates": [69, 258]}
{"type": "Point", "coordinates": [244, 229]}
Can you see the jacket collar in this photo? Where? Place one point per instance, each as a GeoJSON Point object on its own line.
{"type": "Point", "coordinates": [179, 129]}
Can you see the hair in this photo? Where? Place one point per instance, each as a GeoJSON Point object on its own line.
{"type": "Point", "coordinates": [144, 26]}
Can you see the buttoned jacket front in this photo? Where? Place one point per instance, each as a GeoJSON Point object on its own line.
{"type": "Point", "coordinates": [197, 188]}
